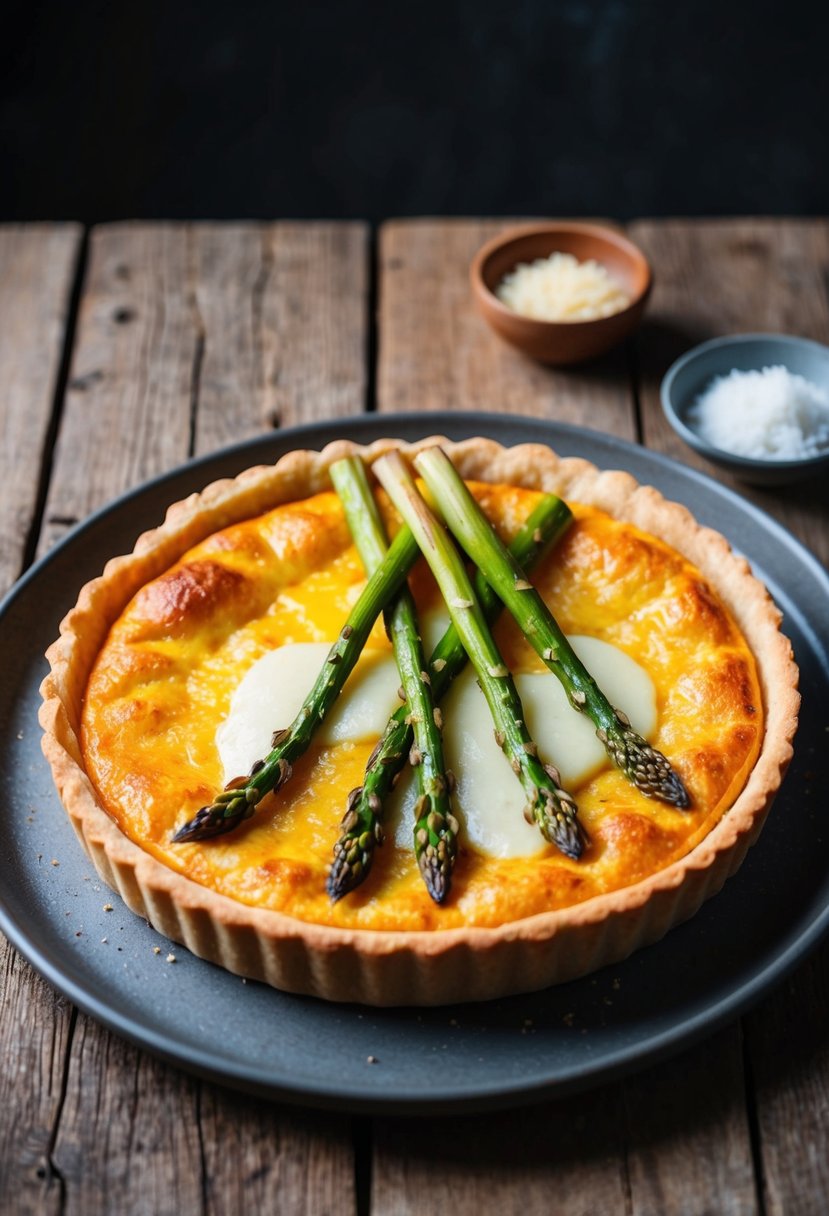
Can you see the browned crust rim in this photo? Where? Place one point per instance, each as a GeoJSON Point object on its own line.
{"type": "Point", "coordinates": [386, 967]}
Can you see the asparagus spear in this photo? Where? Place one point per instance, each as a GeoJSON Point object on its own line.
{"type": "Point", "coordinates": [436, 828]}
{"type": "Point", "coordinates": [549, 806]}
{"type": "Point", "coordinates": [238, 800]}
{"type": "Point", "coordinates": [362, 822]}
{"type": "Point", "coordinates": [641, 763]}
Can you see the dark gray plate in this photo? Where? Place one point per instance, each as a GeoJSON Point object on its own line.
{"type": "Point", "coordinates": [475, 1056]}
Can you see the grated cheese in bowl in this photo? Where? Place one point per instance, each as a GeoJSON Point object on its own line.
{"type": "Point", "coordinates": [560, 288]}
{"type": "Point", "coordinates": [764, 415]}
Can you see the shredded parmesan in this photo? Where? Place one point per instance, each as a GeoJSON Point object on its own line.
{"type": "Point", "coordinates": [766, 415]}
{"type": "Point", "coordinates": [560, 288]}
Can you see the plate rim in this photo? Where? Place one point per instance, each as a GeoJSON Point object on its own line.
{"type": "Point", "coordinates": [478, 1096]}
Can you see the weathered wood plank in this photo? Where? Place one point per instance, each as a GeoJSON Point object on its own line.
{"type": "Point", "coordinates": [121, 1131]}
{"type": "Point", "coordinates": [561, 1159]}
{"type": "Point", "coordinates": [199, 335]}
{"type": "Point", "coordinates": [220, 1152]}
{"type": "Point", "coordinates": [35, 1032]}
{"type": "Point", "coordinates": [284, 318]}
{"type": "Point", "coordinates": [669, 1140]}
{"type": "Point", "coordinates": [299, 1163]}
{"type": "Point", "coordinates": [37, 268]}
{"type": "Point", "coordinates": [648, 1136]}
{"type": "Point", "coordinates": [435, 352]}
{"type": "Point", "coordinates": [129, 1134]}
{"type": "Point", "coordinates": [729, 276]}
{"type": "Point", "coordinates": [688, 1143]}
{"type": "Point", "coordinates": [789, 1049]}
{"type": "Point", "coordinates": [127, 414]}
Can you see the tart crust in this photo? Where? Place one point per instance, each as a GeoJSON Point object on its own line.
{"type": "Point", "coordinates": [412, 967]}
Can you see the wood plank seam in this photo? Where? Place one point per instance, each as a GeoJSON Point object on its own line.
{"type": "Point", "coordinates": [362, 1141]}
{"type": "Point", "coordinates": [257, 305]}
{"type": "Point", "coordinates": [199, 350]}
{"type": "Point", "coordinates": [753, 1118]}
{"type": "Point", "coordinates": [39, 281]}
{"type": "Point", "coordinates": [55, 1174]}
{"type": "Point", "coordinates": [204, 1179]}
{"type": "Point", "coordinates": [373, 304]}
{"type": "Point", "coordinates": [635, 373]}
{"type": "Point", "coordinates": [624, 1150]}
{"type": "Point", "coordinates": [58, 398]}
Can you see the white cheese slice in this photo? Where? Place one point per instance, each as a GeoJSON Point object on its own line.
{"type": "Point", "coordinates": [489, 799]}
{"type": "Point", "coordinates": [271, 693]}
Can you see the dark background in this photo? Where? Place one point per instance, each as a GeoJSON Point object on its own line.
{"type": "Point", "coordinates": [114, 110]}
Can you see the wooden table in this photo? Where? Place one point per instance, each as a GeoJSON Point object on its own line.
{"type": "Point", "coordinates": [128, 349]}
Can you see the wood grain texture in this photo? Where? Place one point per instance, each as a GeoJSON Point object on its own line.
{"type": "Point", "coordinates": [727, 276]}
{"type": "Point", "coordinates": [435, 352]}
{"type": "Point", "coordinates": [299, 1163]}
{"type": "Point", "coordinates": [688, 1148]}
{"type": "Point", "coordinates": [283, 311]}
{"type": "Point", "coordinates": [191, 336]}
{"type": "Point", "coordinates": [561, 1159]}
{"type": "Point", "coordinates": [194, 336]}
{"type": "Point", "coordinates": [171, 1144]}
{"type": "Point", "coordinates": [37, 266]}
{"type": "Point", "coordinates": [35, 1031]}
{"type": "Point", "coordinates": [129, 1133]}
{"type": "Point", "coordinates": [789, 1050]}
{"type": "Point", "coordinates": [127, 413]}
{"type": "Point", "coordinates": [109, 1128]}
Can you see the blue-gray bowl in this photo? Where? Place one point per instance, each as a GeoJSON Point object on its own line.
{"type": "Point", "coordinates": [691, 375]}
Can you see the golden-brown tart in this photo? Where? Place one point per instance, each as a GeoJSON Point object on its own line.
{"type": "Point", "coordinates": [148, 659]}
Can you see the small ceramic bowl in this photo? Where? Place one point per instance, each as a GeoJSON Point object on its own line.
{"type": "Point", "coordinates": [561, 342]}
{"type": "Point", "coordinates": [691, 375]}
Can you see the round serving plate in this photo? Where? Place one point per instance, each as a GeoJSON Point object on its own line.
{"type": "Point", "coordinates": [703, 974]}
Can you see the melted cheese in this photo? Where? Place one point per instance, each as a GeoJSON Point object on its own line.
{"type": "Point", "coordinates": [489, 798]}
{"type": "Point", "coordinates": [270, 696]}
{"type": "Point", "coordinates": [163, 681]}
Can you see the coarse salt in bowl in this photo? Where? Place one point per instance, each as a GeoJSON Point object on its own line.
{"type": "Point", "coordinates": [772, 414]}
{"type": "Point", "coordinates": [754, 404]}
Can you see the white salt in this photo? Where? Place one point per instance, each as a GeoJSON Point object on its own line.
{"type": "Point", "coordinates": [766, 415]}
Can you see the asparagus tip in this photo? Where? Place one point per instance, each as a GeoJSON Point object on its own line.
{"type": "Point", "coordinates": [362, 832]}
{"type": "Point", "coordinates": [560, 826]}
{"type": "Point", "coordinates": [436, 844]}
{"type": "Point", "coordinates": [650, 771]}
{"type": "Point", "coordinates": [232, 806]}
{"type": "Point", "coordinates": [674, 791]}
{"type": "Point", "coordinates": [341, 878]}
{"type": "Point", "coordinates": [213, 820]}
{"type": "Point", "coordinates": [570, 837]}
{"type": "Point", "coordinates": [436, 875]}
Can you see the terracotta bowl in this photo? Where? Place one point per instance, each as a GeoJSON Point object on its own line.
{"type": "Point", "coordinates": [561, 342]}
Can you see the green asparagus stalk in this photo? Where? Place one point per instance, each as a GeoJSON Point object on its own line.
{"type": "Point", "coordinates": [550, 807]}
{"type": "Point", "coordinates": [641, 763]}
{"type": "Point", "coordinates": [436, 828]}
{"type": "Point", "coordinates": [239, 799]}
{"type": "Point", "coordinates": [362, 825]}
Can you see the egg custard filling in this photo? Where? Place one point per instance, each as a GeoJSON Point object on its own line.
{"type": "Point", "coordinates": [217, 652]}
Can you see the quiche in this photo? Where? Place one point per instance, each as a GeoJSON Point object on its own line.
{"type": "Point", "coordinates": [168, 667]}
